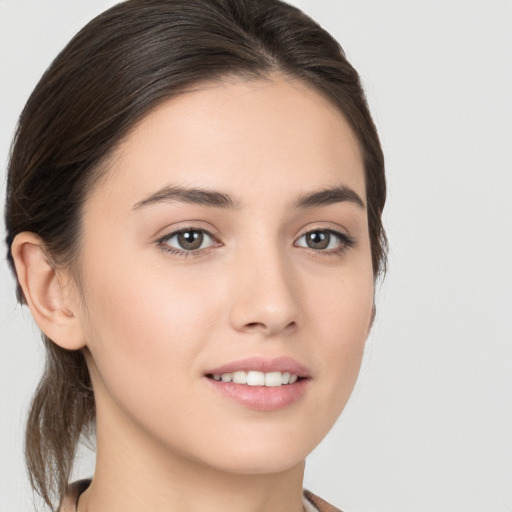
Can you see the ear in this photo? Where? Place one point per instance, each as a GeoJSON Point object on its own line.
{"type": "Point", "coordinates": [47, 292]}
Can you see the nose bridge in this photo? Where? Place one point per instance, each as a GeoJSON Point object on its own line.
{"type": "Point", "coordinates": [265, 289]}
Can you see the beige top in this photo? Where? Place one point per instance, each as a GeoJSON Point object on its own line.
{"type": "Point", "coordinates": [312, 503]}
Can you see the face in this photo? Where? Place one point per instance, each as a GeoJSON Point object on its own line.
{"type": "Point", "coordinates": [227, 284]}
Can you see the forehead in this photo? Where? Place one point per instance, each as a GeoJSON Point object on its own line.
{"type": "Point", "coordinates": [273, 137]}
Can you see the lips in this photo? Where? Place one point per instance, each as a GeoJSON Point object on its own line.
{"type": "Point", "coordinates": [260, 383]}
{"type": "Point", "coordinates": [265, 365]}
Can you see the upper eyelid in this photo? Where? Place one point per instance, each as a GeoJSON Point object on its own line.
{"type": "Point", "coordinates": [344, 237]}
{"type": "Point", "coordinates": [173, 232]}
{"type": "Point", "coordinates": [341, 231]}
{"type": "Point", "coordinates": [328, 229]}
{"type": "Point", "coordinates": [215, 234]}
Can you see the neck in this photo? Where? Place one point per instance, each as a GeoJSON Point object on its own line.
{"type": "Point", "coordinates": [133, 473]}
{"type": "Point", "coordinates": [232, 493]}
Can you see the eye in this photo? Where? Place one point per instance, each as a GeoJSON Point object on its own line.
{"type": "Point", "coordinates": [187, 240]}
{"type": "Point", "coordinates": [327, 240]}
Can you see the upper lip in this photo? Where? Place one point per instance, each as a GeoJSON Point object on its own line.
{"type": "Point", "coordinates": [263, 364]}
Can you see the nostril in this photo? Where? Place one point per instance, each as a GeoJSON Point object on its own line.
{"type": "Point", "coordinates": [251, 326]}
{"type": "Point", "coordinates": [255, 324]}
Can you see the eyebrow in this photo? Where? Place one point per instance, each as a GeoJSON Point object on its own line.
{"type": "Point", "coordinates": [212, 198]}
{"type": "Point", "coordinates": [199, 196]}
{"type": "Point", "coordinates": [329, 196]}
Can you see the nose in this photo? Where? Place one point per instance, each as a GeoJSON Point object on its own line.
{"type": "Point", "coordinates": [265, 291]}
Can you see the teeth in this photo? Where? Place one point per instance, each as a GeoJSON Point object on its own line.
{"type": "Point", "coordinates": [239, 377]}
{"type": "Point", "coordinates": [254, 378]}
{"type": "Point", "coordinates": [273, 379]}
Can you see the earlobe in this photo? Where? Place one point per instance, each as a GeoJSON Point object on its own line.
{"type": "Point", "coordinates": [45, 293]}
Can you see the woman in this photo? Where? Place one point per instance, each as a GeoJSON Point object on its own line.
{"type": "Point", "coordinates": [193, 215]}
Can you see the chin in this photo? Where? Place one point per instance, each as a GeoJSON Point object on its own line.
{"type": "Point", "coordinates": [241, 464]}
{"type": "Point", "coordinates": [262, 454]}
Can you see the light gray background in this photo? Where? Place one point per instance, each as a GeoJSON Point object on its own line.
{"type": "Point", "coordinates": [429, 427]}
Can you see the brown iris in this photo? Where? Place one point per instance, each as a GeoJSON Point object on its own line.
{"type": "Point", "coordinates": [190, 240]}
{"type": "Point", "coordinates": [318, 239]}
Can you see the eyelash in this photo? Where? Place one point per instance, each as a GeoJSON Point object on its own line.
{"type": "Point", "coordinates": [183, 252]}
{"type": "Point", "coordinates": [345, 241]}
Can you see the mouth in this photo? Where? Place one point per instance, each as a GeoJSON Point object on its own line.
{"type": "Point", "coordinates": [260, 383]}
{"type": "Point", "coordinates": [256, 378]}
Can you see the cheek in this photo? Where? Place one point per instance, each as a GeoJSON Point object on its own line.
{"type": "Point", "coordinates": [340, 329]}
{"type": "Point", "coordinates": [145, 328]}
{"type": "Point", "coordinates": [341, 301]}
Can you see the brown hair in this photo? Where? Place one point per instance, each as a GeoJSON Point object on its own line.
{"type": "Point", "coordinates": [112, 73]}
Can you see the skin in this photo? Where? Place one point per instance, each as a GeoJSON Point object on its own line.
{"type": "Point", "coordinates": [151, 322]}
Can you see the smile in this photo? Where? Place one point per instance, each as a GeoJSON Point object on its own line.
{"type": "Point", "coordinates": [261, 383]}
{"type": "Point", "coordinates": [257, 378]}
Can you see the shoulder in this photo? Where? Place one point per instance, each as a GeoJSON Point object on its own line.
{"type": "Point", "coordinates": [319, 503]}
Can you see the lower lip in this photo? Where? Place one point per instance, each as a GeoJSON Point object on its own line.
{"type": "Point", "coordinates": [262, 398]}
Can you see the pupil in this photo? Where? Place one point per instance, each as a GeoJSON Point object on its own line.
{"type": "Point", "coordinates": [190, 239]}
{"type": "Point", "coordinates": [318, 240]}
